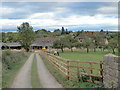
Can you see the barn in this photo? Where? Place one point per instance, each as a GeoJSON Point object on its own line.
{"type": "Point", "coordinates": [40, 43]}
{"type": "Point", "coordinates": [12, 45]}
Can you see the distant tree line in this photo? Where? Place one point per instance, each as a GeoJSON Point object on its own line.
{"type": "Point", "coordinates": [25, 35]}
{"type": "Point", "coordinates": [102, 40]}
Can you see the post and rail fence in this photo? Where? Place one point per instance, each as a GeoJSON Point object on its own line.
{"type": "Point", "coordinates": [76, 69]}
{"type": "Point", "coordinates": [106, 72]}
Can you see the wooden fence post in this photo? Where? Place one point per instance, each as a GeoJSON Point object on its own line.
{"type": "Point", "coordinates": [91, 72]}
{"type": "Point", "coordinates": [101, 71]}
{"type": "Point", "coordinates": [68, 69]}
{"type": "Point", "coordinates": [78, 72]}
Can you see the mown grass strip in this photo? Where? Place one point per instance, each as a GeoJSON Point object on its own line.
{"type": "Point", "coordinates": [35, 78]}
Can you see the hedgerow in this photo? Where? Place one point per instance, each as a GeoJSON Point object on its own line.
{"type": "Point", "coordinates": [9, 58]}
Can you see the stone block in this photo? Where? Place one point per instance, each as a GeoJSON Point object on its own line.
{"type": "Point", "coordinates": [111, 71]}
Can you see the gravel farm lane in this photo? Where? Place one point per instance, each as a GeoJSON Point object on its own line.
{"type": "Point", "coordinates": [23, 78]}
{"type": "Point", "coordinates": [46, 78]}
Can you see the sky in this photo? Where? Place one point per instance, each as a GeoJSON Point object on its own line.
{"type": "Point", "coordinates": [90, 16]}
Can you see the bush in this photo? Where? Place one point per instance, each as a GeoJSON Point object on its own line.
{"type": "Point", "coordinates": [10, 58]}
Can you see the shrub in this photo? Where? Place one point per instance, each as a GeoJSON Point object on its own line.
{"type": "Point", "coordinates": [10, 58]}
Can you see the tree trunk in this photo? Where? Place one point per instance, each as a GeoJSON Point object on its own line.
{"type": "Point", "coordinates": [87, 50]}
{"type": "Point", "coordinates": [94, 49]}
{"type": "Point", "coordinates": [62, 50]}
{"type": "Point", "coordinates": [26, 47]}
{"type": "Point", "coordinates": [71, 49]}
{"type": "Point", "coordinates": [113, 51]}
{"type": "Point", "coordinates": [103, 49]}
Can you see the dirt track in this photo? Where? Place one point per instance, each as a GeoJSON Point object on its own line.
{"type": "Point", "coordinates": [23, 78]}
{"type": "Point", "coordinates": [46, 78]}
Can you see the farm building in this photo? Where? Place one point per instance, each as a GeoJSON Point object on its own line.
{"type": "Point", "coordinates": [82, 37]}
{"type": "Point", "coordinates": [40, 43]}
{"type": "Point", "coordinates": [14, 45]}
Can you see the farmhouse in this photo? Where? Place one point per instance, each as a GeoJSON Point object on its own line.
{"type": "Point", "coordinates": [40, 43]}
{"type": "Point", "coordinates": [82, 37]}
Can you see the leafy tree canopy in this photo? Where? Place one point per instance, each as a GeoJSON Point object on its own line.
{"type": "Point", "coordinates": [26, 35]}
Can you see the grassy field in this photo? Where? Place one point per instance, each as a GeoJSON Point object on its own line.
{"type": "Point", "coordinates": [9, 73]}
{"type": "Point", "coordinates": [34, 74]}
{"type": "Point", "coordinates": [82, 55]}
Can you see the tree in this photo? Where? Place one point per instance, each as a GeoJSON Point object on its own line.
{"type": "Point", "coordinates": [10, 37]}
{"type": "Point", "coordinates": [97, 40]}
{"type": "Point", "coordinates": [26, 35]}
{"type": "Point", "coordinates": [67, 32]}
{"type": "Point", "coordinates": [63, 31]}
{"type": "Point", "coordinates": [42, 33]}
{"type": "Point", "coordinates": [87, 43]}
{"type": "Point", "coordinates": [70, 42]}
{"type": "Point", "coordinates": [113, 43]}
{"type": "Point", "coordinates": [79, 45]}
{"type": "Point", "coordinates": [57, 30]}
{"type": "Point", "coordinates": [59, 44]}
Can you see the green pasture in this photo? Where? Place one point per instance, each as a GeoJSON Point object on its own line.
{"type": "Point", "coordinates": [82, 55]}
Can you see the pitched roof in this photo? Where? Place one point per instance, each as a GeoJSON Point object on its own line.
{"type": "Point", "coordinates": [45, 40]}
{"type": "Point", "coordinates": [42, 44]}
{"type": "Point", "coordinates": [14, 44]}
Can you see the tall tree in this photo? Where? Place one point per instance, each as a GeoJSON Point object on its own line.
{"type": "Point", "coordinates": [26, 35]}
{"type": "Point", "coordinates": [63, 31]}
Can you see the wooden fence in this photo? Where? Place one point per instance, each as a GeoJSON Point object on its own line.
{"type": "Point", "coordinates": [77, 70]}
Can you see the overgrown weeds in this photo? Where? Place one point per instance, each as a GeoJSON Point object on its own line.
{"type": "Point", "coordinates": [11, 63]}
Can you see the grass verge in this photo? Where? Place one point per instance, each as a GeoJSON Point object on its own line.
{"type": "Point", "coordinates": [34, 74]}
{"type": "Point", "coordinates": [8, 76]}
{"type": "Point", "coordinates": [63, 80]}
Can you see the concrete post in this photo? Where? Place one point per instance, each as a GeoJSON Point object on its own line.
{"type": "Point", "coordinates": [111, 71]}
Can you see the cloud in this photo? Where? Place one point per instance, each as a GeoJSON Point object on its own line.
{"type": "Point", "coordinates": [5, 11]}
{"type": "Point", "coordinates": [60, 1]}
{"type": "Point", "coordinates": [54, 15]}
{"type": "Point", "coordinates": [94, 21]}
{"type": "Point", "coordinates": [41, 16]}
{"type": "Point", "coordinates": [108, 10]}
{"type": "Point", "coordinates": [62, 9]}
